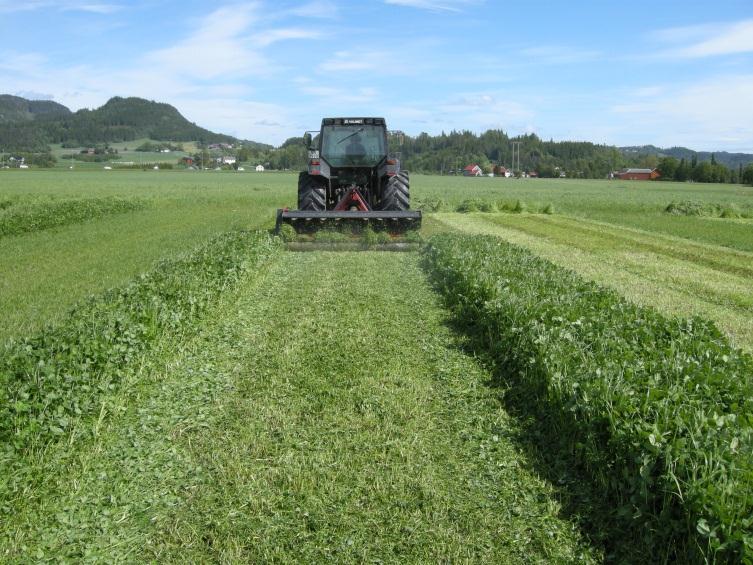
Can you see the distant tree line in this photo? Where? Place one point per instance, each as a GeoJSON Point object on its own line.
{"type": "Point", "coordinates": [747, 175]}
{"type": "Point", "coordinates": [682, 170]}
{"type": "Point", "coordinates": [449, 153]}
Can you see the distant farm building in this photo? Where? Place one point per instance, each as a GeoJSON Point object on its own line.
{"type": "Point", "coordinates": [637, 174]}
{"type": "Point", "coordinates": [187, 161]}
{"type": "Point", "coordinates": [259, 168]}
{"type": "Point", "coordinates": [500, 171]}
{"type": "Point", "coordinates": [472, 171]}
{"type": "Point", "coordinates": [226, 160]}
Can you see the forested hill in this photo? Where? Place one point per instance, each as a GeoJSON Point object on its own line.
{"type": "Point", "coordinates": [728, 159]}
{"type": "Point", "coordinates": [120, 119]}
{"type": "Point", "coordinates": [449, 152]}
{"type": "Point", "coordinates": [452, 151]}
{"type": "Point", "coordinates": [17, 109]}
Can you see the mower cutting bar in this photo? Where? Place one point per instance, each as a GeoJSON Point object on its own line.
{"type": "Point", "coordinates": [306, 220]}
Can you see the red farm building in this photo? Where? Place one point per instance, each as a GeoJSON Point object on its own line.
{"type": "Point", "coordinates": [638, 174]}
{"type": "Point", "coordinates": [472, 171]}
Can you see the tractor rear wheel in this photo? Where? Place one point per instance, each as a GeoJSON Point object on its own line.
{"type": "Point", "coordinates": [311, 193]}
{"type": "Point", "coordinates": [396, 193]}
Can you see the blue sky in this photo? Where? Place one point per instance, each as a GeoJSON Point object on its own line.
{"type": "Point", "coordinates": [667, 73]}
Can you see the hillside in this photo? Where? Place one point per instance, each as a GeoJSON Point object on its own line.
{"type": "Point", "coordinates": [450, 152]}
{"type": "Point", "coordinates": [17, 109]}
{"type": "Point", "coordinates": [732, 160]}
{"type": "Point", "coordinates": [33, 125]}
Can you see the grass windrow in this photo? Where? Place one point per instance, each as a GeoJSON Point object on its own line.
{"type": "Point", "coordinates": [39, 214]}
{"type": "Point", "coordinates": [657, 410]}
{"type": "Point", "coordinates": [51, 380]}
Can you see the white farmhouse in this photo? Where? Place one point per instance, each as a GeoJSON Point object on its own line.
{"type": "Point", "coordinates": [259, 168]}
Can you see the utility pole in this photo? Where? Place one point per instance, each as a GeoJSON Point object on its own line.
{"type": "Point", "coordinates": [515, 144]}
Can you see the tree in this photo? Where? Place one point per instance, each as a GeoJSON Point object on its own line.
{"type": "Point", "coordinates": [668, 167]}
{"type": "Point", "coordinates": [747, 176]}
{"type": "Point", "coordinates": [703, 172]}
{"type": "Point", "coordinates": [683, 171]}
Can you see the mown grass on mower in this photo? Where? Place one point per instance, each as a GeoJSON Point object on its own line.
{"type": "Point", "coordinates": [350, 240]}
{"type": "Point", "coordinates": [301, 246]}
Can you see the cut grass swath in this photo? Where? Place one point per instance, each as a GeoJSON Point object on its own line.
{"type": "Point", "coordinates": [38, 215]}
{"type": "Point", "coordinates": [49, 381]}
{"type": "Point", "coordinates": [658, 410]}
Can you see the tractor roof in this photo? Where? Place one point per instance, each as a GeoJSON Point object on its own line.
{"type": "Point", "coordinates": [353, 121]}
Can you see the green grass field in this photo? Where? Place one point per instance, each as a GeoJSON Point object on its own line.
{"type": "Point", "coordinates": [44, 273]}
{"type": "Point", "coordinates": [127, 153]}
{"type": "Point", "coordinates": [326, 407]}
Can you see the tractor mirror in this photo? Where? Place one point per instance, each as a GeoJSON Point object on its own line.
{"type": "Point", "coordinates": [310, 139]}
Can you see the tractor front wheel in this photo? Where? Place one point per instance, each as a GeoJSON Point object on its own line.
{"type": "Point", "coordinates": [311, 194]}
{"type": "Point", "coordinates": [396, 193]}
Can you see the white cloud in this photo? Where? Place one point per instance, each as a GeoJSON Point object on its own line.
{"type": "Point", "coordinates": [684, 34]}
{"type": "Point", "coordinates": [315, 9]}
{"type": "Point", "coordinates": [267, 38]}
{"type": "Point", "coordinates": [560, 54]}
{"type": "Point", "coordinates": [9, 6]}
{"type": "Point", "coordinates": [434, 5]}
{"type": "Point", "coordinates": [709, 40]}
{"type": "Point", "coordinates": [94, 8]}
{"type": "Point", "coordinates": [15, 62]}
{"type": "Point", "coordinates": [377, 62]}
{"type": "Point", "coordinates": [242, 118]}
{"type": "Point", "coordinates": [216, 48]}
{"type": "Point", "coordinates": [713, 114]}
{"type": "Point", "coordinates": [649, 91]}
{"type": "Point", "coordinates": [33, 95]}
{"type": "Point", "coordinates": [479, 111]}
{"type": "Point", "coordinates": [333, 95]}
{"type": "Point", "coordinates": [353, 61]}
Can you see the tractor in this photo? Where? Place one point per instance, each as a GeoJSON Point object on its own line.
{"type": "Point", "coordinates": [352, 181]}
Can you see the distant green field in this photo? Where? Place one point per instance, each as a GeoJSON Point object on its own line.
{"type": "Point", "coordinates": [631, 204]}
{"type": "Point", "coordinates": [47, 271]}
{"type": "Point", "coordinates": [126, 153]}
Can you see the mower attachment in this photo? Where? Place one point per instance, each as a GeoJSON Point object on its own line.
{"type": "Point", "coordinates": [309, 221]}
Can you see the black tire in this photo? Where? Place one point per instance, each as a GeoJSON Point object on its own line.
{"type": "Point", "coordinates": [396, 193]}
{"type": "Point", "coordinates": [311, 193]}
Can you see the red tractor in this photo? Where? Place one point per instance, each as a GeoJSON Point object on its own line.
{"type": "Point", "coordinates": [352, 180]}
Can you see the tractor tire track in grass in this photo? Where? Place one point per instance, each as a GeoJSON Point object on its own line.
{"type": "Point", "coordinates": [676, 276]}
{"type": "Point", "coordinates": [323, 413]}
{"type": "Point", "coordinates": [358, 431]}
